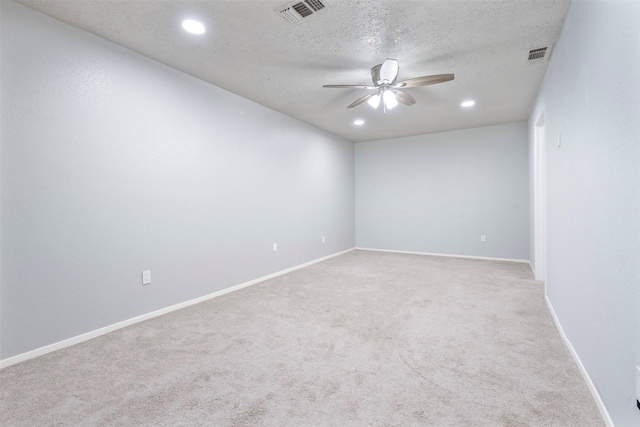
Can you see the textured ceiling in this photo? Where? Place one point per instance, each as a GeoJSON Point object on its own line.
{"type": "Point", "coordinates": [250, 50]}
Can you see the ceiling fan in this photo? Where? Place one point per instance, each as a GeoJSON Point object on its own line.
{"type": "Point", "coordinates": [387, 89]}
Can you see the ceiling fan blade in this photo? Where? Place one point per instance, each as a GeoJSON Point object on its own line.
{"type": "Point", "coordinates": [389, 70]}
{"type": "Point", "coordinates": [362, 100]}
{"type": "Point", "coordinates": [404, 97]}
{"type": "Point", "coordinates": [350, 86]}
{"type": "Point", "coordinates": [425, 80]}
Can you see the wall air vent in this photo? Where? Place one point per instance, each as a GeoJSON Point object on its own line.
{"type": "Point", "coordinates": [539, 54]}
{"type": "Point", "coordinates": [301, 9]}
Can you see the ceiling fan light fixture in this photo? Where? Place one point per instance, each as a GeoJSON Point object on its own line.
{"type": "Point", "coordinates": [468, 104]}
{"type": "Point", "coordinates": [387, 89]}
{"type": "Point", "coordinates": [374, 101]}
{"type": "Point", "coordinates": [390, 100]}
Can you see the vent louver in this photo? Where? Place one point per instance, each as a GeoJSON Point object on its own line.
{"type": "Point", "coordinates": [539, 54]}
{"type": "Point", "coordinates": [301, 9]}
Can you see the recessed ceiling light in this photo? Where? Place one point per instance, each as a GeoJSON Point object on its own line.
{"type": "Point", "coordinates": [193, 27]}
{"type": "Point", "coordinates": [468, 103]}
{"type": "Point", "coordinates": [358, 122]}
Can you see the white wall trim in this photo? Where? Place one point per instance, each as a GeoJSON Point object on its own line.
{"type": "Point", "coordinates": [105, 330]}
{"type": "Point", "coordinates": [592, 388]}
{"type": "Point", "coordinates": [532, 269]}
{"type": "Point", "coordinates": [445, 255]}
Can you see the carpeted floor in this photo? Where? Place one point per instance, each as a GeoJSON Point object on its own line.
{"type": "Point", "coordinates": [366, 338]}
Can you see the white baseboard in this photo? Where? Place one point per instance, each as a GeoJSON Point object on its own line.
{"type": "Point", "coordinates": [592, 388]}
{"type": "Point", "coordinates": [105, 330]}
{"type": "Point", "coordinates": [445, 255]}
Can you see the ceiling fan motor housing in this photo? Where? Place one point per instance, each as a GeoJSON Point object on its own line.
{"type": "Point", "coordinates": [375, 74]}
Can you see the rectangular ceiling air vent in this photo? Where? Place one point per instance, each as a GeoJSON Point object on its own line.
{"type": "Point", "coordinates": [539, 54]}
{"type": "Point", "coordinates": [301, 9]}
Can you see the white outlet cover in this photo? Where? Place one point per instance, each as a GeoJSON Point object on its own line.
{"type": "Point", "coordinates": [146, 277]}
{"type": "Point", "coordinates": [275, 247]}
{"type": "Point", "coordinates": [483, 237]}
{"type": "Point", "coordinates": [322, 239]}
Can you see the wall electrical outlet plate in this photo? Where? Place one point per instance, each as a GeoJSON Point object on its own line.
{"type": "Point", "coordinates": [483, 238]}
{"type": "Point", "coordinates": [275, 247]}
{"type": "Point", "coordinates": [146, 277]}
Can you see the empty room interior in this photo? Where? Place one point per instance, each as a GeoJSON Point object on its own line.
{"type": "Point", "coordinates": [320, 213]}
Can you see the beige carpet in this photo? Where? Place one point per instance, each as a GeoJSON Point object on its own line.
{"type": "Point", "coordinates": [362, 339]}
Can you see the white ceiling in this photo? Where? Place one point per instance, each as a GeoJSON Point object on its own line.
{"type": "Point", "coordinates": [250, 50]}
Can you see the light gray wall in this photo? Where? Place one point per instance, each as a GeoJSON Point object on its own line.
{"type": "Point", "coordinates": [591, 95]}
{"type": "Point", "coordinates": [113, 164]}
{"type": "Point", "coordinates": [439, 192]}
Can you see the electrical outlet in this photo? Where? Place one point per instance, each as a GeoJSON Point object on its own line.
{"type": "Point", "coordinates": [275, 247]}
{"type": "Point", "coordinates": [638, 386]}
{"type": "Point", "coordinates": [483, 237]}
{"type": "Point", "coordinates": [322, 239]}
{"type": "Point", "coordinates": [146, 277]}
